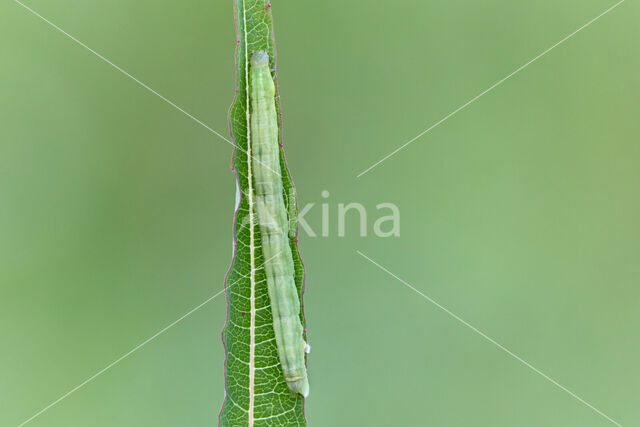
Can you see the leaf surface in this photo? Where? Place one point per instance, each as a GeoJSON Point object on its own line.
{"type": "Point", "coordinates": [256, 393]}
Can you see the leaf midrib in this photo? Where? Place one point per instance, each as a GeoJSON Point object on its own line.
{"type": "Point", "coordinates": [252, 327]}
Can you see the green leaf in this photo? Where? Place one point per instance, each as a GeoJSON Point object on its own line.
{"type": "Point", "coordinates": [256, 393]}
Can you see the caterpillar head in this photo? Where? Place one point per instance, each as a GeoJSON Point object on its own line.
{"type": "Point", "coordinates": [260, 58]}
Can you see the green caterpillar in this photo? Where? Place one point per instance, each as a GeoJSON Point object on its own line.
{"type": "Point", "coordinates": [274, 226]}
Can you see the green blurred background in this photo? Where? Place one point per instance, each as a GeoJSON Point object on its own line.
{"type": "Point", "coordinates": [519, 214]}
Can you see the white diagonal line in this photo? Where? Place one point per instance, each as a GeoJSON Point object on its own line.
{"type": "Point", "coordinates": [118, 360]}
{"type": "Point", "coordinates": [147, 87]}
{"type": "Point", "coordinates": [491, 340]}
{"type": "Point", "coordinates": [168, 101]}
{"type": "Point", "coordinates": [133, 350]}
{"type": "Point", "coordinates": [489, 89]}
